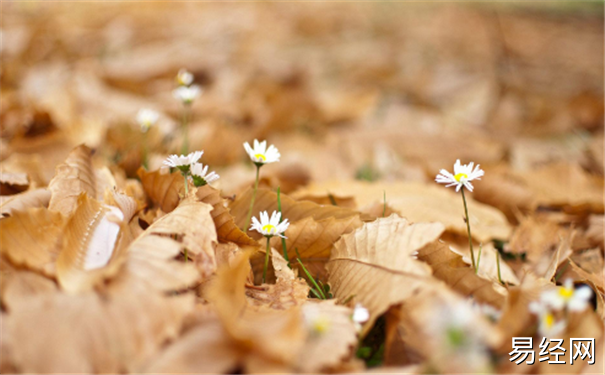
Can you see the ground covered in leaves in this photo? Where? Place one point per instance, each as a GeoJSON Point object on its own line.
{"type": "Point", "coordinates": [108, 266]}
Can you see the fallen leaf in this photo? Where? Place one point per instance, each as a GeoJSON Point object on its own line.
{"type": "Point", "coordinates": [422, 203]}
{"type": "Point", "coordinates": [449, 267]}
{"type": "Point", "coordinates": [375, 264]}
{"type": "Point", "coordinates": [32, 238]}
{"type": "Point", "coordinates": [162, 188]}
{"type": "Point", "coordinates": [23, 201]}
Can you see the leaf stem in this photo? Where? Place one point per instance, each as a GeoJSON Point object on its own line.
{"type": "Point", "coordinates": [479, 257]}
{"type": "Point", "coordinates": [186, 185]}
{"type": "Point", "coordinates": [266, 260]}
{"type": "Point", "coordinates": [253, 199]}
{"type": "Point", "coordinates": [145, 150]}
{"type": "Point", "coordinates": [498, 264]}
{"type": "Point", "coordinates": [468, 227]}
{"type": "Point", "coordinates": [283, 240]}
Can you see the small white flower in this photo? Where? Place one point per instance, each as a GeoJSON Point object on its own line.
{"type": "Point", "coordinates": [186, 94]}
{"type": "Point", "coordinates": [463, 175]}
{"type": "Point", "coordinates": [184, 78]}
{"type": "Point", "coordinates": [270, 227]}
{"type": "Point", "coordinates": [147, 118]}
{"type": "Point", "coordinates": [488, 310]}
{"type": "Point", "coordinates": [360, 316]}
{"type": "Point", "coordinates": [183, 162]}
{"type": "Point", "coordinates": [567, 296]}
{"type": "Point", "coordinates": [260, 154]}
{"type": "Point", "coordinates": [547, 325]}
{"type": "Point", "coordinates": [200, 175]}
{"type": "Point", "coordinates": [317, 322]}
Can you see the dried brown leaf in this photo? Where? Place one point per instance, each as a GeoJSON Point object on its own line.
{"type": "Point", "coordinates": [131, 320]}
{"type": "Point", "coordinates": [32, 238]}
{"type": "Point", "coordinates": [449, 267]}
{"type": "Point", "coordinates": [292, 210]}
{"type": "Point", "coordinates": [422, 203]}
{"type": "Point", "coordinates": [162, 188]}
{"type": "Point", "coordinates": [375, 265]}
{"type": "Point", "coordinates": [23, 201]}
{"type": "Point", "coordinates": [21, 285]}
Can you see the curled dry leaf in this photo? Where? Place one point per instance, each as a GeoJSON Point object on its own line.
{"type": "Point", "coordinates": [292, 210]}
{"type": "Point", "coordinates": [31, 238]}
{"type": "Point", "coordinates": [74, 177]}
{"type": "Point", "coordinates": [162, 188]}
{"type": "Point", "coordinates": [375, 264]}
{"type": "Point", "coordinates": [23, 201]}
{"type": "Point", "coordinates": [72, 334]}
{"type": "Point", "coordinates": [13, 183]}
{"type": "Point", "coordinates": [488, 264]}
{"type": "Point", "coordinates": [449, 267]}
{"type": "Point", "coordinates": [314, 240]}
{"type": "Point", "coordinates": [288, 290]}
{"type": "Point", "coordinates": [94, 244]}
{"type": "Point", "coordinates": [421, 203]}
{"type": "Point", "coordinates": [226, 229]}
{"type": "Point", "coordinates": [192, 223]}
{"type": "Point", "coordinates": [272, 335]}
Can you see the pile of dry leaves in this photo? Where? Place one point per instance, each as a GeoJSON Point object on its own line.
{"type": "Point", "coordinates": [110, 263]}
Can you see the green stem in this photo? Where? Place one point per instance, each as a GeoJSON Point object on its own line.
{"type": "Point", "coordinates": [498, 264]}
{"type": "Point", "coordinates": [321, 292]}
{"type": "Point", "coordinates": [266, 260]}
{"type": "Point", "coordinates": [479, 257]}
{"type": "Point", "coordinates": [185, 126]}
{"type": "Point", "coordinates": [186, 255]}
{"type": "Point", "coordinates": [253, 199]}
{"type": "Point", "coordinates": [283, 240]}
{"type": "Point", "coordinates": [145, 150]}
{"type": "Point", "coordinates": [468, 228]}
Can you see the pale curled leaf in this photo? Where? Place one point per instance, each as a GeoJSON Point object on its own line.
{"type": "Point", "coordinates": [74, 177]}
{"type": "Point", "coordinates": [21, 202]}
{"type": "Point", "coordinates": [162, 188]}
{"type": "Point", "coordinates": [192, 223]}
{"type": "Point", "coordinates": [32, 238]}
{"type": "Point", "coordinates": [374, 265]}
{"type": "Point", "coordinates": [93, 245]}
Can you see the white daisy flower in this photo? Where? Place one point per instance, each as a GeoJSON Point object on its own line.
{"type": "Point", "coordinates": [548, 326]}
{"type": "Point", "coordinates": [184, 78]}
{"type": "Point", "coordinates": [315, 321]}
{"type": "Point", "coordinates": [147, 118]}
{"type": "Point", "coordinates": [270, 227]}
{"type": "Point", "coordinates": [463, 175]}
{"type": "Point", "coordinates": [186, 94]}
{"type": "Point", "coordinates": [260, 154]}
{"type": "Point", "coordinates": [567, 296]}
{"type": "Point", "coordinates": [183, 162]}
{"type": "Point", "coordinates": [200, 175]}
{"type": "Point", "coordinates": [360, 316]}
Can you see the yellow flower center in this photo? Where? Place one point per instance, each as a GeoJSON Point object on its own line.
{"type": "Point", "coordinates": [460, 175]}
{"type": "Point", "coordinates": [549, 320]}
{"type": "Point", "coordinates": [260, 157]}
{"type": "Point", "coordinates": [321, 325]}
{"type": "Point", "coordinates": [268, 227]}
{"type": "Point", "coordinates": [566, 293]}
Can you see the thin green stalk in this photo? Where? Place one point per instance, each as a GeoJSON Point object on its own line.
{"type": "Point", "coordinates": [253, 199]}
{"type": "Point", "coordinates": [479, 257]}
{"type": "Point", "coordinates": [384, 205]}
{"type": "Point", "coordinates": [145, 150]}
{"type": "Point", "coordinates": [266, 260]}
{"type": "Point", "coordinates": [468, 227]}
{"type": "Point", "coordinates": [332, 199]}
{"type": "Point", "coordinates": [498, 264]}
{"type": "Point", "coordinates": [185, 126]}
{"type": "Point", "coordinates": [323, 296]}
{"type": "Point", "coordinates": [186, 255]}
{"type": "Point", "coordinates": [283, 240]}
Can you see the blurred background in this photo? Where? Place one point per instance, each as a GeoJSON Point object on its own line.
{"type": "Point", "coordinates": [373, 91]}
